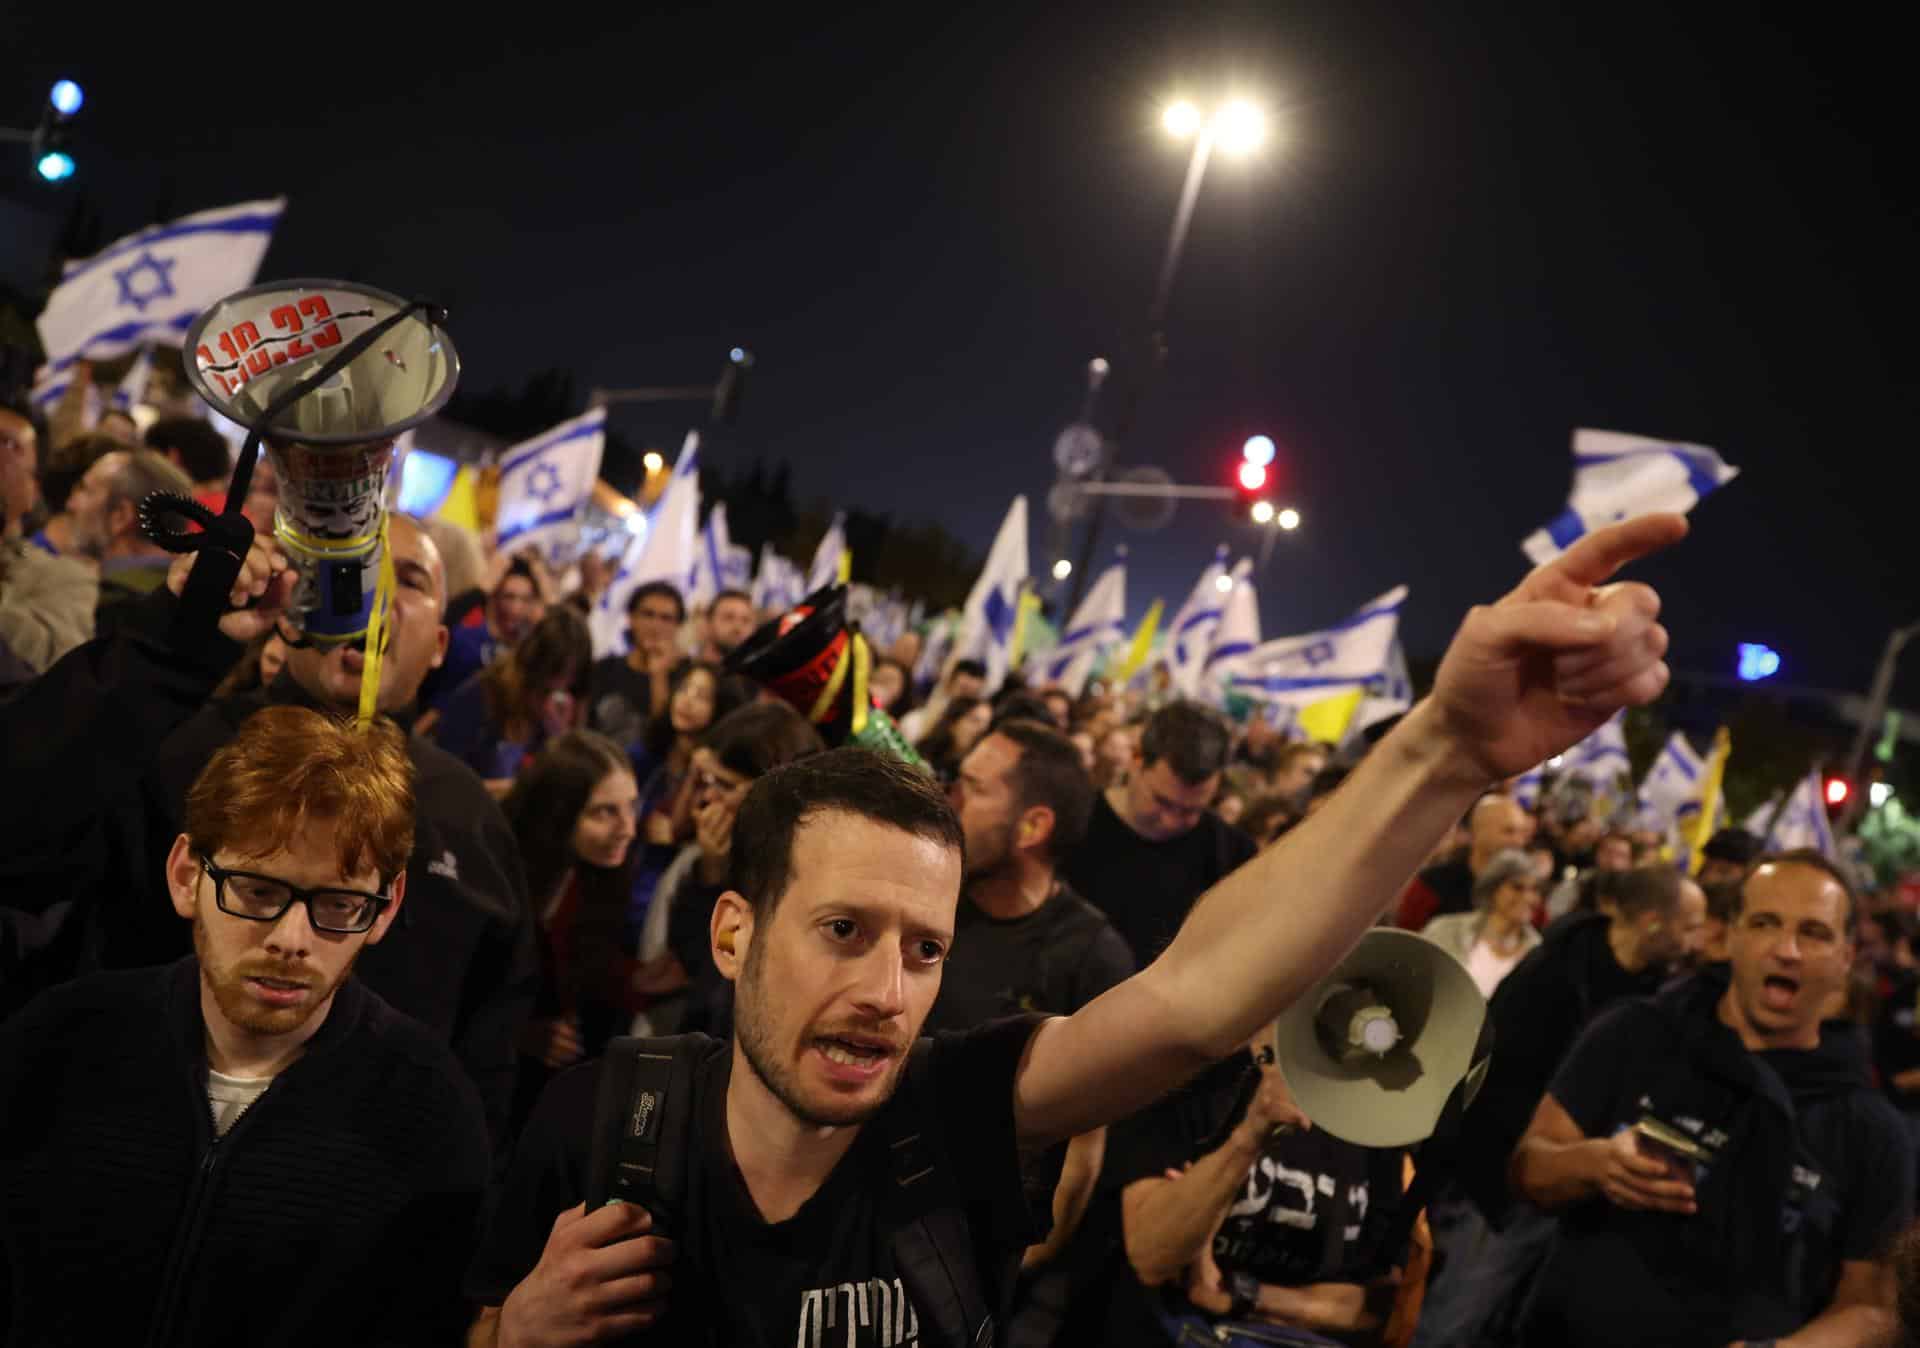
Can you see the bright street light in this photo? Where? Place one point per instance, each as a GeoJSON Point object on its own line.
{"type": "Point", "coordinates": [1258, 449]}
{"type": "Point", "coordinates": [1880, 793]}
{"type": "Point", "coordinates": [1288, 518]}
{"type": "Point", "coordinates": [652, 461]}
{"type": "Point", "coordinates": [1240, 127]}
{"type": "Point", "coordinates": [66, 98]}
{"type": "Point", "coordinates": [1181, 119]}
{"type": "Point", "coordinates": [55, 166]}
{"type": "Point", "coordinates": [1252, 476]}
{"type": "Point", "coordinates": [1062, 569]}
{"type": "Point", "coordinates": [1223, 583]}
{"type": "Point", "coordinates": [1262, 511]}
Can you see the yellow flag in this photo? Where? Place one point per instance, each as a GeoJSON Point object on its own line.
{"type": "Point", "coordinates": [1709, 799]}
{"type": "Point", "coordinates": [1029, 605]}
{"type": "Point", "coordinates": [1139, 648]}
{"type": "Point", "coordinates": [462, 505]}
{"type": "Point", "coordinates": [1326, 720]}
{"type": "Point", "coordinates": [846, 565]}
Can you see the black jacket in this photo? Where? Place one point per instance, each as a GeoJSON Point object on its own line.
{"type": "Point", "coordinates": [100, 752]}
{"type": "Point", "coordinates": [340, 1207]}
{"type": "Point", "coordinates": [1537, 1011]}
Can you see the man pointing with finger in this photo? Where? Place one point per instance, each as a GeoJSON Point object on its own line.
{"type": "Point", "coordinates": [842, 911]}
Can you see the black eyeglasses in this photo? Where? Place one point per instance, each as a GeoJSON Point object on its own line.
{"type": "Point", "coordinates": [262, 898]}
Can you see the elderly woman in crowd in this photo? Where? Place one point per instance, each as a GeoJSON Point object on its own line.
{"type": "Point", "coordinates": [1499, 932]}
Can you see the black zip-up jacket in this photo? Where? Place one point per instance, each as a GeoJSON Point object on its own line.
{"type": "Point", "coordinates": [340, 1208]}
{"type": "Point", "coordinates": [101, 751]}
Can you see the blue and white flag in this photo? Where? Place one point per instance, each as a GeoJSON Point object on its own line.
{"type": "Point", "coordinates": [1526, 787]}
{"type": "Point", "coordinates": [720, 564]}
{"type": "Point", "coordinates": [133, 384]}
{"type": "Point", "coordinates": [825, 567]}
{"type": "Point", "coordinates": [1601, 756]}
{"type": "Point", "coordinates": [1619, 477]}
{"type": "Point", "coordinates": [1189, 637]}
{"type": "Point", "coordinates": [993, 604]}
{"type": "Point", "coordinates": [1099, 624]}
{"type": "Point", "coordinates": [1234, 637]}
{"type": "Point", "coordinates": [149, 287]}
{"type": "Point", "coordinates": [666, 552]}
{"type": "Point", "coordinates": [1343, 660]}
{"type": "Point", "coordinates": [545, 483]}
{"type": "Point", "coordinates": [1670, 784]}
{"type": "Point", "coordinates": [1389, 693]}
{"type": "Point", "coordinates": [1802, 821]}
{"type": "Point", "coordinates": [936, 646]}
{"type": "Point", "coordinates": [778, 585]}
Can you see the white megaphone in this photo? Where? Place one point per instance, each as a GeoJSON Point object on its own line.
{"type": "Point", "coordinates": [1374, 1051]}
{"type": "Point", "coordinates": [327, 374]}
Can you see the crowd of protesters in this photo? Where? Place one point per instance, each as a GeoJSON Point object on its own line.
{"type": "Point", "coordinates": [301, 1023]}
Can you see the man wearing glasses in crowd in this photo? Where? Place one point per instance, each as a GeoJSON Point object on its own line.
{"type": "Point", "coordinates": [247, 1146]}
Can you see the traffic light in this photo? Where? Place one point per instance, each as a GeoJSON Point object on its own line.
{"type": "Point", "coordinates": [1252, 475]}
{"type": "Point", "coordinates": [50, 158]}
{"type": "Point", "coordinates": [1838, 789]}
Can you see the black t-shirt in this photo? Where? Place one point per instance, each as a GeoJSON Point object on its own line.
{"type": "Point", "coordinates": [1147, 888]}
{"type": "Point", "coordinates": [619, 701]}
{"type": "Point", "coordinates": [1313, 1208]}
{"type": "Point", "coordinates": [1896, 1039]}
{"type": "Point", "coordinates": [1054, 960]}
{"type": "Point", "coordinates": [1630, 1277]}
{"type": "Point", "coordinates": [825, 1274]}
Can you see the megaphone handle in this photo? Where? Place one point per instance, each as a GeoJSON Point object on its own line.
{"type": "Point", "coordinates": [204, 597]}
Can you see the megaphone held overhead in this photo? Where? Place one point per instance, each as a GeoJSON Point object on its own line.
{"type": "Point", "coordinates": [1374, 1051]}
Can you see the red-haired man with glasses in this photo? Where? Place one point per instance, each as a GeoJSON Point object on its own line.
{"type": "Point", "coordinates": [247, 1146]}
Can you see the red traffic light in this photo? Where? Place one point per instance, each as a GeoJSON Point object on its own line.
{"type": "Point", "coordinates": [1253, 476]}
{"type": "Point", "coordinates": [1838, 790]}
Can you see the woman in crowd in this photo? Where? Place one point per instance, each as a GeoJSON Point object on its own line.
{"type": "Point", "coordinates": [674, 956]}
{"type": "Point", "coordinates": [1499, 932]}
{"type": "Point", "coordinates": [959, 728]}
{"type": "Point", "coordinates": [573, 811]}
{"type": "Point", "coordinates": [891, 684]}
{"type": "Point", "coordinates": [698, 694]}
{"type": "Point", "coordinates": [509, 711]}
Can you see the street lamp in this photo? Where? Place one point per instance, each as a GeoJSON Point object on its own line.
{"type": "Point", "coordinates": [1262, 512]}
{"type": "Point", "coordinates": [1288, 518]}
{"type": "Point", "coordinates": [1062, 569]}
{"type": "Point", "coordinates": [652, 461]}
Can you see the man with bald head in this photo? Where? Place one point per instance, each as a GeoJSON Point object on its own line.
{"type": "Point", "coordinates": [1496, 823]}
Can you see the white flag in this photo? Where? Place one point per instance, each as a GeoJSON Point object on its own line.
{"type": "Point", "coordinates": [777, 586]}
{"type": "Point", "coordinates": [544, 484]}
{"type": "Point", "coordinates": [133, 385]}
{"type": "Point", "coordinates": [665, 553]}
{"type": "Point", "coordinates": [713, 563]}
{"type": "Point", "coordinates": [825, 568]}
{"type": "Point", "coordinates": [1098, 624]}
{"type": "Point", "coordinates": [1619, 477]}
{"type": "Point", "coordinates": [1601, 756]}
{"type": "Point", "coordinates": [1234, 637]}
{"type": "Point", "coordinates": [1297, 672]}
{"type": "Point", "coordinates": [1672, 782]}
{"type": "Point", "coordinates": [149, 287]}
{"type": "Point", "coordinates": [1802, 821]}
{"type": "Point", "coordinates": [987, 620]}
{"type": "Point", "coordinates": [1389, 693]}
{"type": "Point", "coordinates": [1189, 637]}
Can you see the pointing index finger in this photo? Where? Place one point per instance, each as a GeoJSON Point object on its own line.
{"type": "Point", "coordinates": [1593, 559]}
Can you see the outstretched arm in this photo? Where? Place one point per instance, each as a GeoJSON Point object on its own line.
{"type": "Point", "coordinates": [1522, 680]}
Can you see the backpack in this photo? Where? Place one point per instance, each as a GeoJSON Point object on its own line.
{"type": "Point", "coordinates": [643, 1142]}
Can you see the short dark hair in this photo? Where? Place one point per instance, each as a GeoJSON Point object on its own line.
{"type": "Point", "coordinates": [518, 569]}
{"type": "Point", "coordinates": [1049, 772]}
{"type": "Point", "coordinates": [741, 595]}
{"type": "Point", "coordinates": [1020, 705]}
{"type": "Point", "coordinates": [653, 588]}
{"type": "Point", "coordinates": [847, 780]}
{"type": "Point", "coordinates": [1644, 889]}
{"type": "Point", "coordinates": [203, 451]}
{"type": "Point", "coordinates": [755, 739]}
{"type": "Point", "coordinates": [1723, 900]}
{"type": "Point", "coordinates": [975, 668]}
{"type": "Point", "coordinates": [1191, 739]}
{"type": "Point", "coordinates": [1293, 753]}
{"type": "Point", "coordinates": [1733, 844]}
{"type": "Point", "coordinates": [1819, 861]}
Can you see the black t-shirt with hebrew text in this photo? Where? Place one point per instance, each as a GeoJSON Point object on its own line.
{"type": "Point", "coordinates": [826, 1275]}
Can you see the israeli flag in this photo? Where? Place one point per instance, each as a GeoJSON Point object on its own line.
{"type": "Point", "coordinates": [935, 650]}
{"type": "Point", "coordinates": [718, 564]}
{"type": "Point", "coordinates": [1601, 756]}
{"type": "Point", "coordinates": [1802, 821]}
{"type": "Point", "coordinates": [1189, 637]}
{"type": "Point", "coordinates": [1671, 783]}
{"type": "Point", "coordinates": [1389, 693]}
{"type": "Point", "coordinates": [987, 619]}
{"type": "Point", "coordinates": [1620, 477]}
{"type": "Point", "coordinates": [667, 552]}
{"type": "Point", "coordinates": [1099, 624]}
{"type": "Point", "coordinates": [133, 385]}
{"type": "Point", "coordinates": [545, 483]}
{"type": "Point", "coordinates": [777, 586]}
{"type": "Point", "coordinates": [149, 287]}
{"type": "Point", "coordinates": [1235, 637]}
{"type": "Point", "coordinates": [1526, 787]}
{"type": "Point", "coordinates": [1297, 672]}
{"type": "Point", "coordinates": [825, 567]}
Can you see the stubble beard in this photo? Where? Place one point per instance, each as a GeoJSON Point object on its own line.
{"type": "Point", "coordinates": [762, 1055]}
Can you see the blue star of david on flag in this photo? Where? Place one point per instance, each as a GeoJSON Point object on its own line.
{"type": "Point", "coordinates": [157, 286]}
{"type": "Point", "coordinates": [1000, 615]}
{"type": "Point", "coordinates": [543, 483]}
{"type": "Point", "coordinates": [1318, 654]}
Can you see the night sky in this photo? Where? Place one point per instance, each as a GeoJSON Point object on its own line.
{"type": "Point", "coordinates": [1477, 228]}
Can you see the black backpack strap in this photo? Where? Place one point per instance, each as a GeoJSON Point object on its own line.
{"type": "Point", "coordinates": [643, 1125]}
{"type": "Point", "coordinates": [931, 1237]}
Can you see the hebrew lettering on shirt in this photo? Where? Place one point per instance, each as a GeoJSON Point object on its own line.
{"type": "Point", "coordinates": [876, 1314]}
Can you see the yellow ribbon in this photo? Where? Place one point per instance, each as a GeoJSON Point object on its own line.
{"type": "Point", "coordinates": [862, 666]}
{"type": "Point", "coordinates": [832, 690]}
{"type": "Point", "coordinates": [376, 631]}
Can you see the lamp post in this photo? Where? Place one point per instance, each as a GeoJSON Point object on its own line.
{"type": "Point", "coordinates": [1237, 128]}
